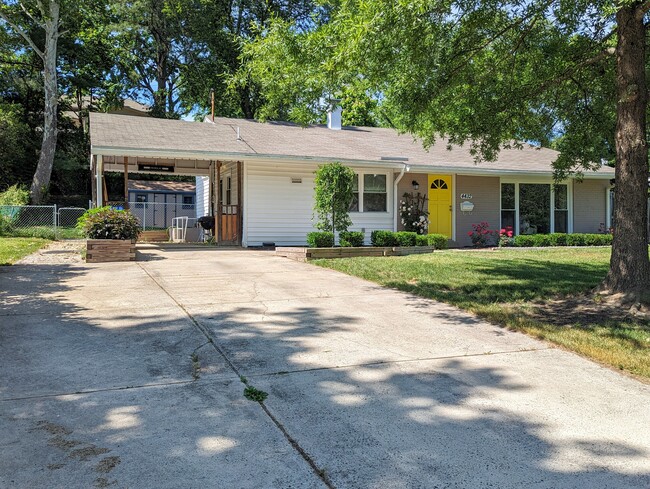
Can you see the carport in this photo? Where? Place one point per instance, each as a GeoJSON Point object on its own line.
{"type": "Point", "coordinates": [127, 145]}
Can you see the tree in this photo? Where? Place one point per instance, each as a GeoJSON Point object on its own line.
{"type": "Point", "coordinates": [27, 19]}
{"type": "Point", "coordinates": [332, 197]}
{"type": "Point", "coordinates": [566, 74]}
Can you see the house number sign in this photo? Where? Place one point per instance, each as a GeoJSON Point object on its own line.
{"type": "Point", "coordinates": [466, 196]}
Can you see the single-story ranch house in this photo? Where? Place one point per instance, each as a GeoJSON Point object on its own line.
{"type": "Point", "coordinates": [269, 170]}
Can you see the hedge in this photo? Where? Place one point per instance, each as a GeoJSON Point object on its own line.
{"type": "Point", "coordinates": [320, 239]}
{"type": "Point", "coordinates": [561, 239]}
{"type": "Point", "coordinates": [406, 238]}
{"type": "Point", "coordinates": [438, 241]}
{"type": "Point", "coordinates": [383, 238]}
{"type": "Point", "coordinates": [351, 238]}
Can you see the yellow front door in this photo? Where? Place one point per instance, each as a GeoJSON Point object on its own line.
{"type": "Point", "coordinates": [440, 204]}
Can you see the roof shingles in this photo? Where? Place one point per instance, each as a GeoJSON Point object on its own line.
{"type": "Point", "coordinates": [281, 139]}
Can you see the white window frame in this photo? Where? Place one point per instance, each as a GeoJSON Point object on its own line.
{"type": "Point", "coordinates": [359, 174]}
{"type": "Point", "coordinates": [539, 180]}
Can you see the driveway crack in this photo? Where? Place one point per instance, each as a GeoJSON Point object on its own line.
{"type": "Point", "coordinates": [320, 472]}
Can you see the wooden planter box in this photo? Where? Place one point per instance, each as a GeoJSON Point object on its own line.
{"type": "Point", "coordinates": [106, 250]}
{"type": "Point", "coordinates": [305, 254]}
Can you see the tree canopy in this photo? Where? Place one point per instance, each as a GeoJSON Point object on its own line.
{"type": "Point", "coordinates": [490, 74]}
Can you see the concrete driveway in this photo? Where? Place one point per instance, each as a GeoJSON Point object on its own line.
{"type": "Point", "coordinates": [128, 375]}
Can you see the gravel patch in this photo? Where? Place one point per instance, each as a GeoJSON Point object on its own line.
{"type": "Point", "coordinates": [57, 252]}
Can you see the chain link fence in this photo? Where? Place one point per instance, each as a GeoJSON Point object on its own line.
{"type": "Point", "coordinates": [53, 222]}
{"type": "Point", "coordinates": [40, 221]}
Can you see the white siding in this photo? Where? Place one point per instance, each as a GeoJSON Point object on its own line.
{"type": "Point", "coordinates": [202, 196]}
{"type": "Point", "coordinates": [281, 212]}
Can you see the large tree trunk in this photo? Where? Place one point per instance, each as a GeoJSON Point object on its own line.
{"type": "Point", "coordinates": [43, 172]}
{"type": "Point", "coordinates": [630, 268]}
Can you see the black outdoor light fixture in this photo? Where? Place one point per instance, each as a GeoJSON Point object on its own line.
{"type": "Point", "coordinates": [415, 184]}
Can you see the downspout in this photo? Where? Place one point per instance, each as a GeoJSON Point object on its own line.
{"type": "Point", "coordinates": [395, 199]}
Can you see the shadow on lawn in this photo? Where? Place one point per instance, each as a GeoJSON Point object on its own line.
{"type": "Point", "coordinates": [387, 422]}
{"type": "Point", "coordinates": [506, 281]}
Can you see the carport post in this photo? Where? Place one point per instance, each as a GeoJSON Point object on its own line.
{"type": "Point", "coordinates": [99, 179]}
{"type": "Point", "coordinates": [126, 182]}
{"type": "Point", "coordinates": [93, 178]}
{"type": "Point", "coordinates": [217, 226]}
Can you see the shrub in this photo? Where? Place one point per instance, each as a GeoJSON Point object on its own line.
{"type": "Point", "coordinates": [81, 221]}
{"type": "Point", "coordinates": [413, 214]}
{"type": "Point", "coordinates": [421, 240]}
{"type": "Point", "coordinates": [438, 241]}
{"type": "Point", "coordinates": [541, 240]}
{"type": "Point", "coordinates": [575, 240]}
{"type": "Point", "coordinates": [15, 195]}
{"type": "Point", "coordinates": [597, 239]}
{"type": "Point", "coordinates": [561, 239]}
{"type": "Point", "coordinates": [381, 237]}
{"type": "Point", "coordinates": [557, 239]}
{"type": "Point", "coordinates": [524, 240]}
{"type": "Point", "coordinates": [506, 237]}
{"type": "Point", "coordinates": [107, 223]}
{"type": "Point", "coordinates": [320, 239]}
{"type": "Point", "coordinates": [406, 238]}
{"type": "Point", "coordinates": [351, 238]}
{"type": "Point", "coordinates": [481, 235]}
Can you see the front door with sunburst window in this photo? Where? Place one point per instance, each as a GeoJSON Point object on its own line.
{"type": "Point", "coordinates": [440, 204]}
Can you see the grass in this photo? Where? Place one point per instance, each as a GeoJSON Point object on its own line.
{"type": "Point", "coordinates": [13, 249]}
{"type": "Point", "coordinates": [500, 287]}
{"type": "Point", "coordinates": [44, 232]}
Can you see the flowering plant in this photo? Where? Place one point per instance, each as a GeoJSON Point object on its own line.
{"type": "Point", "coordinates": [481, 235]}
{"type": "Point", "coordinates": [412, 213]}
{"type": "Point", "coordinates": [506, 237]}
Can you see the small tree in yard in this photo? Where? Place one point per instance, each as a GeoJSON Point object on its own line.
{"type": "Point", "coordinates": [333, 196]}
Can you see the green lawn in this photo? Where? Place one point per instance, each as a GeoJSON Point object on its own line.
{"type": "Point", "coordinates": [13, 249]}
{"type": "Point", "coordinates": [502, 286]}
{"type": "Point", "coordinates": [46, 232]}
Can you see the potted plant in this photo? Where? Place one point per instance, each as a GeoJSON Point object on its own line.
{"type": "Point", "coordinates": [111, 234]}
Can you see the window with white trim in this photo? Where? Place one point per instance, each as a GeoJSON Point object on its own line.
{"type": "Point", "coordinates": [370, 192]}
{"type": "Point", "coordinates": [508, 207]}
{"type": "Point", "coordinates": [561, 209]}
{"type": "Point", "coordinates": [535, 208]}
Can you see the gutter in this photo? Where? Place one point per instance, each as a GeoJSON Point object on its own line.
{"type": "Point", "coordinates": [257, 157]}
{"type": "Point", "coordinates": [395, 200]}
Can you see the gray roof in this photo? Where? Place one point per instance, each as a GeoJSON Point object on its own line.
{"type": "Point", "coordinates": [113, 134]}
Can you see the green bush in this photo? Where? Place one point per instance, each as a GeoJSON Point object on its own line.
{"type": "Point", "coordinates": [406, 238]}
{"type": "Point", "coordinates": [557, 239]}
{"type": "Point", "coordinates": [381, 237]}
{"type": "Point", "coordinates": [320, 239]}
{"type": "Point", "coordinates": [524, 240]}
{"type": "Point", "coordinates": [575, 240]}
{"type": "Point", "coordinates": [541, 240]}
{"type": "Point", "coordinates": [81, 221]}
{"type": "Point", "coordinates": [561, 239]}
{"type": "Point", "coordinates": [107, 223]}
{"type": "Point", "coordinates": [421, 240]}
{"type": "Point", "coordinates": [15, 195]}
{"type": "Point", "coordinates": [597, 239]}
{"type": "Point", "coordinates": [438, 241]}
{"type": "Point", "coordinates": [351, 238]}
